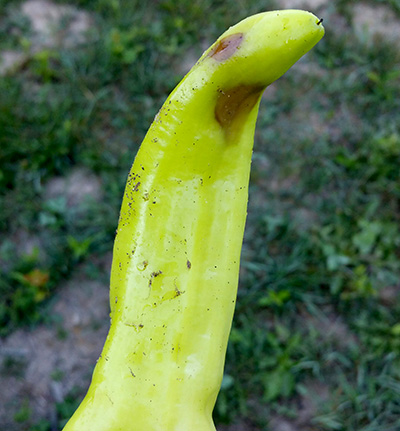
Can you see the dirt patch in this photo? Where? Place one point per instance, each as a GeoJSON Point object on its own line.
{"type": "Point", "coordinates": [311, 5]}
{"type": "Point", "coordinates": [39, 367]}
{"type": "Point", "coordinates": [331, 328]}
{"type": "Point", "coordinates": [390, 295]}
{"type": "Point", "coordinates": [79, 186]}
{"type": "Point", "coordinates": [53, 26]}
{"type": "Point", "coordinates": [56, 25]}
{"type": "Point", "coordinates": [278, 423]}
{"type": "Point", "coordinates": [376, 22]}
{"type": "Point", "coordinates": [315, 394]}
{"type": "Point", "coordinates": [10, 60]}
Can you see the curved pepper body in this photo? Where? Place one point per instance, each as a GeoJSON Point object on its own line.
{"type": "Point", "coordinates": [176, 255]}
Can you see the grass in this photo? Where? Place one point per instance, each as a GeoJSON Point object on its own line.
{"type": "Point", "coordinates": [318, 306]}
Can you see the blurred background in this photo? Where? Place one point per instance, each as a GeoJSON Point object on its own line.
{"type": "Point", "coordinates": [316, 338]}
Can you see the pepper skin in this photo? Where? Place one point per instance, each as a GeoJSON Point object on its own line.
{"type": "Point", "coordinates": [176, 256]}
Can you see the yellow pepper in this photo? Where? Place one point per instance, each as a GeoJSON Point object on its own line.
{"type": "Point", "coordinates": [176, 255]}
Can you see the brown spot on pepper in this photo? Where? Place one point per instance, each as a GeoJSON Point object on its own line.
{"type": "Point", "coordinates": [236, 101]}
{"type": "Point", "coordinates": [226, 47]}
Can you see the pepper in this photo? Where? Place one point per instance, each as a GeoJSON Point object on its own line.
{"type": "Point", "coordinates": [177, 250]}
